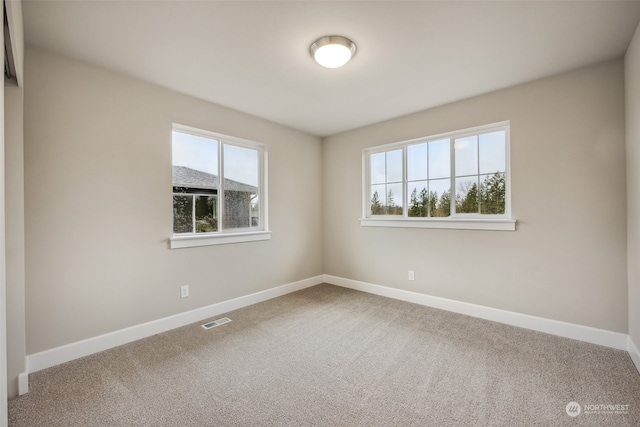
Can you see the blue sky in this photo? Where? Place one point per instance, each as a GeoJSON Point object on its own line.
{"type": "Point", "coordinates": [200, 153]}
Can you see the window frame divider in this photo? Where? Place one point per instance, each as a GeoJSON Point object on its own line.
{"type": "Point", "coordinates": [455, 220]}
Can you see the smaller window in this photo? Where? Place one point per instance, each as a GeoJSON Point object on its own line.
{"type": "Point", "coordinates": [218, 186]}
{"type": "Point", "coordinates": [454, 180]}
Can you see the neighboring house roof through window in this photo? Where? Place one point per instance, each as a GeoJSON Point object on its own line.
{"type": "Point", "coordinates": [191, 178]}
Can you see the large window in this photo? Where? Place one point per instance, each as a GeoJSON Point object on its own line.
{"type": "Point", "coordinates": [219, 193]}
{"type": "Point", "coordinates": [454, 180]}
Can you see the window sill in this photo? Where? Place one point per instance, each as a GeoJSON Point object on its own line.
{"type": "Point", "coordinates": [194, 240]}
{"type": "Point", "coordinates": [499, 224]}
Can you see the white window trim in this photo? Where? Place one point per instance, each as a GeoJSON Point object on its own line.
{"type": "Point", "coordinates": [457, 221]}
{"type": "Point", "coordinates": [190, 240]}
{"type": "Point", "coordinates": [496, 224]}
{"type": "Point", "coordinates": [179, 241]}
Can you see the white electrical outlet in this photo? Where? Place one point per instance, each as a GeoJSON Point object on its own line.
{"type": "Point", "coordinates": [411, 275]}
{"type": "Point", "coordinates": [184, 291]}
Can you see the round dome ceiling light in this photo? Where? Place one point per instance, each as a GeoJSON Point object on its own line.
{"type": "Point", "coordinates": [332, 51]}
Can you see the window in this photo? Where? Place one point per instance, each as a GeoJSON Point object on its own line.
{"type": "Point", "coordinates": [209, 210]}
{"type": "Point", "coordinates": [454, 180]}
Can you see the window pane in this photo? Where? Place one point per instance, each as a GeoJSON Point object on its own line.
{"type": "Point", "coordinates": [394, 166]}
{"type": "Point", "coordinates": [417, 162]}
{"type": "Point", "coordinates": [206, 213]}
{"type": "Point", "coordinates": [439, 159]}
{"type": "Point", "coordinates": [241, 165]}
{"type": "Point", "coordinates": [440, 197]}
{"type": "Point", "coordinates": [467, 195]}
{"type": "Point", "coordinates": [492, 194]}
{"type": "Point", "coordinates": [377, 168]}
{"type": "Point", "coordinates": [241, 181]}
{"type": "Point", "coordinates": [195, 152]}
{"type": "Point", "coordinates": [237, 209]}
{"type": "Point", "coordinates": [182, 213]}
{"type": "Point", "coordinates": [395, 198]}
{"type": "Point", "coordinates": [195, 170]}
{"type": "Point", "coordinates": [466, 156]}
{"type": "Point", "coordinates": [386, 179]}
{"type": "Point", "coordinates": [492, 153]}
{"type": "Point", "coordinates": [378, 199]}
{"type": "Point", "coordinates": [418, 199]}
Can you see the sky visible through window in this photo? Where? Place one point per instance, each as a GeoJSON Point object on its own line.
{"type": "Point", "coordinates": [201, 153]}
{"type": "Point", "coordinates": [195, 152]}
{"type": "Point", "coordinates": [387, 166]}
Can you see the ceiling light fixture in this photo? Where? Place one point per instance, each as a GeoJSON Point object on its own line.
{"type": "Point", "coordinates": [332, 51]}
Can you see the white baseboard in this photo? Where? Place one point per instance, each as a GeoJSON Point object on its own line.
{"type": "Point", "coordinates": [633, 351]}
{"type": "Point", "coordinates": [23, 383]}
{"type": "Point", "coordinates": [568, 330]}
{"type": "Point", "coordinates": [66, 353]}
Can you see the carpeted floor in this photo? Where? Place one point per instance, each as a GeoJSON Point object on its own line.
{"type": "Point", "coordinates": [328, 356]}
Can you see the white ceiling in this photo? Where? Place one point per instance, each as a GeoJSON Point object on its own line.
{"type": "Point", "coordinates": [254, 56]}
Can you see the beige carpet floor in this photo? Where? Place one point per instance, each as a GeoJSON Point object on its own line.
{"type": "Point", "coordinates": [328, 356]}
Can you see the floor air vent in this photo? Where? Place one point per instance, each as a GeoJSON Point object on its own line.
{"type": "Point", "coordinates": [216, 323]}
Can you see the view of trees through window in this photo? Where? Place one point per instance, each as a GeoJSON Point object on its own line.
{"type": "Point", "coordinates": [423, 174]}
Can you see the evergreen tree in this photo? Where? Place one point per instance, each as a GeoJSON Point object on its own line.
{"type": "Point", "coordinates": [433, 201]}
{"type": "Point", "coordinates": [376, 206]}
{"type": "Point", "coordinates": [493, 192]}
{"type": "Point", "coordinates": [444, 204]}
{"type": "Point", "coordinates": [390, 203]}
{"type": "Point", "coordinates": [424, 203]}
{"type": "Point", "coordinates": [415, 208]}
{"type": "Point", "coordinates": [469, 202]}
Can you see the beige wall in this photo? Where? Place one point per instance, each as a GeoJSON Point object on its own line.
{"type": "Point", "coordinates": [99, 211]}
{"type": "Point", "coordinates": [14, 221]}
{"type": "Point", "coordinates": [98, 205]}
{"type": "Point", "coordinates": [632, 108]}
{"type": "Point", "coordinates": [567, 259]}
